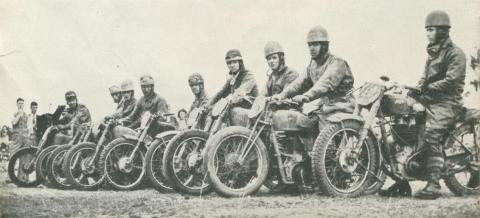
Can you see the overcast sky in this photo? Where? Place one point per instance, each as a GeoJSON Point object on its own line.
{"type": "Point", "coordinates": [49, 47]}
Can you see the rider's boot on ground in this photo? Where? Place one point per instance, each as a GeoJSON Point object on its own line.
{"type": "Point", "coordinates": [398, 189]}
{"type": "Point", "coordinates": [432, 190]}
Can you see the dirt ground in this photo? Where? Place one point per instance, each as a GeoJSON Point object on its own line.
{"type": "Point", "coordinates": [47, 202]}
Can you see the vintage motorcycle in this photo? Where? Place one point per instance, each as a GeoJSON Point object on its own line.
{"type": "Point", "coordinates": [81, 161]}
{"type": "Point", "coordinates": [351, 160]}
{"type": "Point", "coordinates": [183, 157]}
{"type": "Point", "coordinates": [123, 159]}
{"type": "Point", "coordinates": [16, 164]}
{"type": "Point", "coordinates": [276, 142]}
{"type": "Point", "coordinates": [55, 171]}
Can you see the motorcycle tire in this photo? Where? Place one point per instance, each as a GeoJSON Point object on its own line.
{"type": "Point", "coordinates": [76, 171]}
{"type": "Point", "coordinates": [41, 164]}
{"type": "Point", "coordinates": [118, 175]}
{"type": "Point", "coordinates": [154, 164]}
{"type": "Point", "coordinates": [171, 163]}
{"type": "Point", "coordinates": [454, 185]}
{"type": "Point", "coordinates": [262, 167]}
{"type": "Point", "coordinates": [320, 151]}
{"type": "Point", "coordinates": [31, 180]}
{"type": "Point", "coordinates": [55, 171]}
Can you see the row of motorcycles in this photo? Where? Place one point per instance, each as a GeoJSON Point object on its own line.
{"type": "Point", "coordinates": [235, 151]}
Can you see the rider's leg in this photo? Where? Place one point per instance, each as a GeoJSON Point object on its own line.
{"type": "Point", "coordinates": [61, 139]}
{"type": "Point", "coordinates": [440, 116]}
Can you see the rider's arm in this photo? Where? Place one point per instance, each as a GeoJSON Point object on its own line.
{"type": "Point", "coordinates": [220, 93]}
{"type": "Point", "coordinates": [329, 81]}
{"type": "Point", "coordinates": [247, 85]}
{"type": "Point", "coordinates": [301, 83]}
{"type": "Point", "coordinates": [456, 64]}
{"type": "Point", "coordinates": [162, 106]}
{"type": "Point", "coordinates": [135, 113]}
{"type": "Point", "coordinates": [290, 76]}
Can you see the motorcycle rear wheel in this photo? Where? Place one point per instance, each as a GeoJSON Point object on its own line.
{"type": "Point", "coordinates": [228, 175]}
{"type": "Point", "coordinates": [455, 183]}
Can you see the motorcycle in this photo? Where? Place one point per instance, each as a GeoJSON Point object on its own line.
{"type": "Point", "coordinates": [352, 160]}
{"type": "Point", "coordinates": [123, 159]}
{"type": "Point", "coordinates": [45, 129]}
{"type": "Point", "coordinates": [239, 160]}
{"type": "Point", "coordinates": [81, 161]}
{"type": "Point", "coordinates": [183, 157]}
{"type": "Point", "coordinates": [55, 162]}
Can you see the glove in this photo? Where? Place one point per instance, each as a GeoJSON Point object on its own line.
{"type": "Point", "coordinates": [301, 99]}
{"type": "Point", "coordinates": [277, 97]}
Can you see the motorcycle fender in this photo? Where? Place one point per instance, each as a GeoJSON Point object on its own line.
{"type": "Point", "coordinates": [130, 137]}
{"type": "Point", "coordinates": [166, 133]}
{"type": "Point", "coordinates": [339, 117]}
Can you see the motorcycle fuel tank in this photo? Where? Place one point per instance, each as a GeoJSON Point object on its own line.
{"type": "Point", "coordinates": [292, 120]}
{"type": "Point", "coordinates": [393, 104]}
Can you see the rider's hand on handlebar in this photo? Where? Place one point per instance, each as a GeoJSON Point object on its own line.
{"type": "Point", "coordinates": [301, 99]}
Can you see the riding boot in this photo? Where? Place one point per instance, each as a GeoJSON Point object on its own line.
{"type": "Point", "coordinates": [432, 189]}
{"type": "Point", "coordinates": [398, 189]}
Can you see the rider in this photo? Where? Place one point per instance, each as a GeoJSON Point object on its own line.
{"type": "Point", "coordinates": [116, 94]}
{"type": "Point", "coordinates": [150, 101]}
{"type": "Point", "coordinates": [240, 84]}
{"type": "Point", "coordinates": [442, 86]}
{"type": "Point", "coordinates": [327, 77]}
{"type": "Point", "coordinates": [127, 104]}
{"type": "Point", "coordinates": [73, 116]}
{"type": "Point", "coordinates": [196, 83]}
{"type": "Point", "coordinates": [280, 75]}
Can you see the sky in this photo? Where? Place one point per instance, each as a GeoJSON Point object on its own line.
{"type": "Point", "coordinates": [49, 47]}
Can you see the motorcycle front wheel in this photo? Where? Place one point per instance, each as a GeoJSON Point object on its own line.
{"type": "Point", "coordinates": [121, 172]}
{"type": "Point", "coordinates": [55, 171]}
{"type": "Point", "coordinates": [337, 172]}
{"type": "Point", "coordinates": [154, 163]}
{"type": "Point", "coordinates": [21, 168]}
{"type": "Point", "coordinates": [183, 163]}
{"type": "Point", "coordinates": [41, 164]}
{"type": "Point", "coordinates": [79, 172]}
{"type": "Point", "coordinates": [236, 166]}
{"type": "Point", "coordinates": [466, 181]}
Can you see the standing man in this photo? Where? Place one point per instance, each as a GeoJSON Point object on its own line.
{"type": "Point", "coordinates": [442, 86]}
{"type": "Point", "coordinates": [327, 77]}
{"type": "Point", "coordinates": [280, 74]}
{"type": "Point", "coordinates": [20, 127]}
{"type": "Point", "coordinates": [32, 123]}
{"type": "Point", "coordinates": [20, 137]}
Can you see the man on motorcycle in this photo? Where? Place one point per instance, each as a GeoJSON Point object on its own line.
{"type": "Point", "coordinates": [127, 104]}
{"type": "Point", "coordinates": [73, 116]}
{"type": "Point", "coordinates": [150, 101]}
{"type": "Point", "coordinates": [240, 84]}
{"type": "Point", "coordinates": [116, 94]}
{"type": "Point", "coordinates": [197, 86]}
{"type": "Point", "coordinates": [327, 77]}
{"type": "Point", "coordinates": [442, 86]}
{"type": "Point", "coordinates": [280, 75]}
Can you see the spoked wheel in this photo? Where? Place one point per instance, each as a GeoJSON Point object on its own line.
{"type": "Point", "coordinates": [183, 163]}
{"type": "Point", "coordinates": [21, 168]}
{"type": "Point", "coordinates": [154, 163]}
{"type": "Point", "coordinates": [337, 170]}
{"type": "Point", "coordinates": [55, 171]}
{"type": "Point", "coordinates": [236, 167]}
{"type": "Point", "coordinates": [81, 169]}
{"type": "Point", "coordinates": [466, 181]}
{"type": "Point", "coordinates": [41, 164]}
{"type": "Point", "coordinates": [122, 172]}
